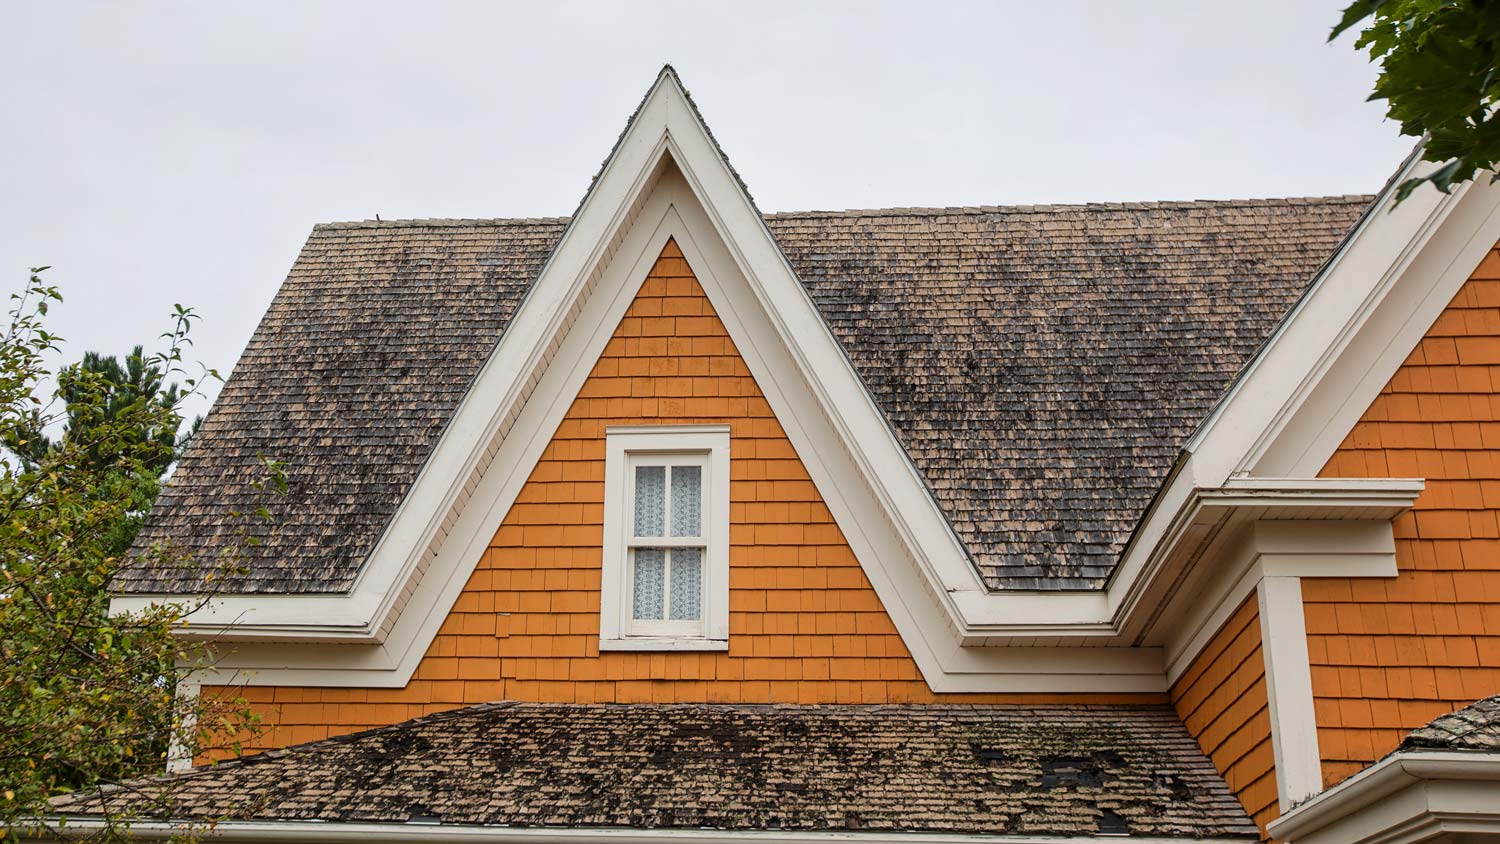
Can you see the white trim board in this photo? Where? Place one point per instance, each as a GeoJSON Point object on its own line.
{"type": "Point", "coordinates": [918, 618]}
{"type": "Point", "coordinates": [1360, 319]}
{"type": "Point", "coordinates": [1294, 724]}
{"type": "Point", "coordinates": [1408, 797]}
{"type": "Point", "coordinates": [667, 178]}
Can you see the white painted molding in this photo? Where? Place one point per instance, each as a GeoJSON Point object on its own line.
{"type": "Point", "coordinates": [1243, 551]}
{"type": "Point", "coordinates": [667, 178]}
{"type": "Point", "coordinates": [180, 746]}
{"type": "Point", "coordinates": [1294, 726]}
{"type": "Point", "coordinates": [1408, 797]}
{"type": "Point", "coordinates": [1344, 339]}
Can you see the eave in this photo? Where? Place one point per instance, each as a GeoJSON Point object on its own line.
{"type": "Point", "coordinates": [1407, 797]}
{"type": "Point", "coordinates": [1252, 462]}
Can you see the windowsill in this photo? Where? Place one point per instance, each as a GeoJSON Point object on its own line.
{"type": "Point", "coordinates": [663, 643]}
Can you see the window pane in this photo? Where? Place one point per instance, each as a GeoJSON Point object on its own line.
{"type": "Point", "coordinates": [687, 583]}
{"type": "Point", "coordinates": [650, 495]}
{"type": "Point", "coordinates": [687, 500]}
{"type": "Point", "coordinates": [649, 585]}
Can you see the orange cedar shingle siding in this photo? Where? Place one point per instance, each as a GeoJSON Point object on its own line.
{"type": "Point", "coordinates": [1389, 655]}
{"type": "Point", "coordinates": [805, 624]}
{"type": "Point", "coordinates": [1222, 700]}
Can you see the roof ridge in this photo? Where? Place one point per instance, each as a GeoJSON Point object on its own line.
{"type": "Point", "coordinates": [408, 222]}
{"type": "Point", "coordinates": [1076, 206]}
{"type": "Point", "coordinates": [894, 211]}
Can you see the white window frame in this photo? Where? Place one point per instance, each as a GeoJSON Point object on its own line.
{"type": "Point", "coordinates": [623, 448]}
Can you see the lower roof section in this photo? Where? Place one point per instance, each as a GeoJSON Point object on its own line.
{"type": "Point", "coordinates": [1475, 727]}
{"type": "Point", "coordinates": [1014, 771]}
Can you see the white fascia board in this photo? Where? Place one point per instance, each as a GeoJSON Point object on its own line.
{"type": "Point", "coordinates": [1112, 611]}
{"type": "Point", "coordinates": [918, 566]}
{"type": "Point", "coordinates": [1342, 342]}
{"type": "Point", "coordinates": [672, 211]}
{"type": "Point", "coordinates": [499, 391]}
{"type": "Point", "coordinates": [1407, 797]}
{"type": "Point", "coordinates": [422, 833]}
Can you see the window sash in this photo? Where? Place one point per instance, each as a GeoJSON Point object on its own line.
{"type": "Point", "coordinates": [666, 625]}
{"type": "Point", "coordinates": [668, 459]}
{"type": "Point", "coordinates": [627, 448]}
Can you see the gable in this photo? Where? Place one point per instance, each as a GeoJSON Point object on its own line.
{"type": "Point", "coordinates": [668, 179]}
{"type": "Point", "coordinates": [1024, 357]}
{"type": "Point", "coordinates": [806, 625]}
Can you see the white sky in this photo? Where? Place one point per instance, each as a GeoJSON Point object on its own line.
{"type": "Point", "coordinates": [180, 152]}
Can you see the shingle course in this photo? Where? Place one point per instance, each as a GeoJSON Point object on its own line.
{"type": "Point", "coordinates": [1041, 365]}
{"type": "Point", "coordinates": [1475, 727]}
{"type": "Point", "coordinates": [1020, 770]}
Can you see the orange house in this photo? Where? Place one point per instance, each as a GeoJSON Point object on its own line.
{"type": "Point", "coordinates": [673, 520]}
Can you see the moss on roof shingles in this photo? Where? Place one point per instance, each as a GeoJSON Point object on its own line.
{"type": "Point", "coordinates": [1041, 365]}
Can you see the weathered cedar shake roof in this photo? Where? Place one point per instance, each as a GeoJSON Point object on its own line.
{"type": "Point", "coordinates": [1042, 366]}
{"type": "Point", "coordinates": [1054, 770]}
{"type": "Point", "coordinates": [1475, 727]}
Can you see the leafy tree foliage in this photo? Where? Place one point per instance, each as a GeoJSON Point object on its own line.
{"type": "Point", "coordinates": [122, 389]}
{"type": "Point", "coordinates": [125, 385]}
{"type": "Point", "coordinates": [1440, 77]}
{"type": "Point", "coordinates": [87, 697]}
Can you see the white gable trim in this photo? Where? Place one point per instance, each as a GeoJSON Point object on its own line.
{"type": "Point", "coordinates": [666, 178]}
{"type": "Point", "coordinates": [1364, 314]}
{"type": "Point", "coordinates": [907, 598]}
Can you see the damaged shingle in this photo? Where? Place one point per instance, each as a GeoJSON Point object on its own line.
{"type": "Point", "coordinates": [1067, 771]}
{"type": "Point", "coordinates": [1110, 823]}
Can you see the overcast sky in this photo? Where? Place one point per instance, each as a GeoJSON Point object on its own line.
{"type": "Point", "coordinates": [180, 152]}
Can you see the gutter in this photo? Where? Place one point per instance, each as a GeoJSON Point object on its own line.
{"type": "Point", "coordinates": [1380, 781]}
{"type": "Point", "coordinates": [401, 833]}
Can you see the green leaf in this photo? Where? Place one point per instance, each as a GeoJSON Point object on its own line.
{"type": "Point", "coordinates": [1356, 12]}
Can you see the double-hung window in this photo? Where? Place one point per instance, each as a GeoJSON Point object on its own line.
{"type": "Point", "coordinates": [666, 540]}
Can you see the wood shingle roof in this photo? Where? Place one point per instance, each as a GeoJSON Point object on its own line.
{"type": "Point", "coordinates": [1041, 365]}
{"type": "Point", "coordinates": [1016, 770]}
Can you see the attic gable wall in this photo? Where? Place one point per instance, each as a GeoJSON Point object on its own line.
{"type": "Point", "coordinates": [1390, 655]}
{"type": "Point", "coordinates": [805, 624]}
